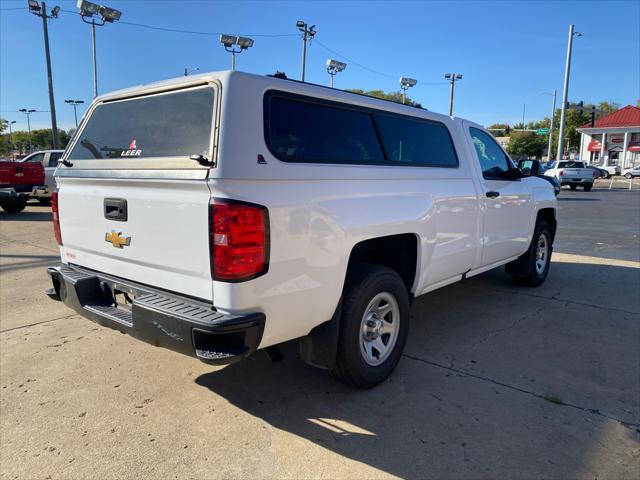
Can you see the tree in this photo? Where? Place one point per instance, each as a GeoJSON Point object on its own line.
{"type": "Point", "coordinates": [499, 129]}
{"type": "Point", "coordinates": [41, 140]}
{"type": "Point", "coordinates": [393, 96]}
{"type": "Point", "coordinates": [526, 144]}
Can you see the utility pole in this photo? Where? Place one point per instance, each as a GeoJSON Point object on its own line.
{"type": "Point", "coordinates": [307, 34]}
{"type": "Point", "coordinates": [107, 15]}
{"type": "Point", "coordinates": [524, 109]}
{"type": "Point", "coordinates": [565, 92]}
{"type": "Point", "coordinates": [28, 112]}
{"type": "Point", "coordinates": [452, 77]}
{"type": "Point", "coordinates": [41, 11]}
{"type": "Point", "coordinates": [11, 122]}
{"type": "Point", "coordinates": [553, 112]}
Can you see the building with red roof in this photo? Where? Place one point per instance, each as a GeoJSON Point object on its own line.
{"type": "Point", "coordinates": [613, 142]}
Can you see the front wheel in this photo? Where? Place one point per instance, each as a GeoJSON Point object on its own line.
{"type": "Point", "coordinates": [374, 325]}
{"type": "Point", "coordinates": [532, 267]}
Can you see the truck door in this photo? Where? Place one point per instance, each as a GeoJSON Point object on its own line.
{"type": "Point", "coordinates": [507, 201]}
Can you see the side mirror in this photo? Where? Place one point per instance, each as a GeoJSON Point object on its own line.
{"type": "Point", "coordinates": [530, 168]}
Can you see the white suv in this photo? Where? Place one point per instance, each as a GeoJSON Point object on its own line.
{"type": "Point", "coordinates": [49, 160]}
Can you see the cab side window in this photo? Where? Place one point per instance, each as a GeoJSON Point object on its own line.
{"type": "Point", "coordinates": [493, 161]}
{"type": "Point", "coordinates": [37, 158]}
{"type": "Point", "coordinates": [54, 157]}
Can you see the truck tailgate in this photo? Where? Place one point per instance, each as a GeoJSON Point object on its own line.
{"type": "Point", "coordinates": [163, 241]}
{"type": "Point", "coordinates": [15, 174]}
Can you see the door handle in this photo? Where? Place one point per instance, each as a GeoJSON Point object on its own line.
{"type": "Point", "coordinates": [493, 194]}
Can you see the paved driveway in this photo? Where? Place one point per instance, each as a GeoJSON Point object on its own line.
{"type": "Point", "coordinates": [498, 381]}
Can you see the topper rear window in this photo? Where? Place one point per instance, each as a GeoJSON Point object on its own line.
{"type": "Point", "coordinates": [175, 124]}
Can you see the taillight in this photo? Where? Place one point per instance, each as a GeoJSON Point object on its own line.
{"type": "Point", "coordinates": [238, 240]}
{"type": "Point", "coordinates": [56, 217]}
{"type": "Point", "coordinates": [561, 172]}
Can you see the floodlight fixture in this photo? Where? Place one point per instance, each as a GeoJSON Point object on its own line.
{"type": "Point", "coordinates": [244, 42]}
{"type": "Point", "coordinates": [87, 9]}
{"type": "Point", "coordinates": [34, 6]}
{"type": "Point", "coordinates": [406, 82]}
{"type": "Point", "coordinates": [336, 65]}
{"type": "Point", "coordinates": [228, 40]}
{"type": "Point", "coordinates": [54, 11]}
{"type": "Point", "coordinates": [109, 15]}
{"type": "Point", "coordinates": [452, 77]}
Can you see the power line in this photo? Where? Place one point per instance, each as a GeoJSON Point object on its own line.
{"type": "Point", "coordinates": [12, 8]}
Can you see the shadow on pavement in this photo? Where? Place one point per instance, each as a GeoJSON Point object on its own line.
{"type": "Point", "coordinates": [7, 265]}
{"type": "Point", "coordinates": [468, 398]}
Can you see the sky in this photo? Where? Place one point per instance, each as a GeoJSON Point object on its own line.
{"type": "Point", "coordinates": [509, 52]}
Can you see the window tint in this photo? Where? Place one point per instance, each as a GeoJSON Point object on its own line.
{"type": "Point", "coordinates": [53, 158]}
{"type": "Point", "coordinates": [308, 132]}
{"type": "Point", "coordinates": [493, 161]}
{"type": "Point", "coordinates": [37, 158]}
{"type": "Point", "coordinates": [417, 142]}
{"type": "Point", "coordinates": [167, 125]}
{"type": "Point", "coordinates": [571, 165]}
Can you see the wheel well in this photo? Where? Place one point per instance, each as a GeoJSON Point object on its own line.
{"type": "Point", "coordinates": [549, 216]}
{"type": "Point", "coordinates": [398, 252]}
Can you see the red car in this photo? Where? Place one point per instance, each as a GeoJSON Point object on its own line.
{"type": "Point", "coordinates": [16, 183]}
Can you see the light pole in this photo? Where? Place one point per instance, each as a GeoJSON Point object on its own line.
{"type": "Point", "coordinates": [553, 112]}
{"type": "Point", "coordinates": [28, 112]}
{"type": "Point", "coordinates": [41, 11]}
{"type": "Point", "coordinates": [11, 122]}
{"type": "Point", "coordinates": [452, 77]}
{"type": "Point", "coordinates": [565, 92]}
{"type": "Point", "coordinates": [307, 34]}
{"type": "Point", "coordinates": [405, 84]}
{"type": "Point", "coordinates": [334, 67]}
{"type": "Point", "coordinates": [107, 15]}
{"type": "Point", "coordinates": [187, 71]}
{"type": "Point", "coordinates": [74, 104]}
{"type": "Point", "coordinates": [228, 41]}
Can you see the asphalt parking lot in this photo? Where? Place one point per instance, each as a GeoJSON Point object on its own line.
{"type": "Point", "coordinates": [497, 381]}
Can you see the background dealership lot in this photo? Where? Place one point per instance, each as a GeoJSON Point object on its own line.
{"type": "Point", "coordinates": [497, 381]}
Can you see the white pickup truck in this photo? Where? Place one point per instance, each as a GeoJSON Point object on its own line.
{"type": "Point", "coordinates": [223, 213]}
{"type": "Point", "coordinates": [572, 173]}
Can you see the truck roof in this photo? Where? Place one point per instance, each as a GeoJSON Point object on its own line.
{"type": "Point", "coordinates": [226, 77]}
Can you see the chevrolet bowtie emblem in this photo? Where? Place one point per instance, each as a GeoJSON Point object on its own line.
{"type": "Point", "coordinates": [117, 239]}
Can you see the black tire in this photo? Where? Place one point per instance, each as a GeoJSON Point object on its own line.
{"type": "Point", "coordinates": [627, 175]}
{"type": "Point", "coordinates": [529, 275]}
{"type": "Point", "coordinates": [573, 187]}
{"type": "Point", "coordinates": [364, 283]}
{"type": "Point", "coordinates": [588, 187]}
{"type": "Point", "coordinates": [14, 205]}
{"type": "Point", "coordinates": [44, 201]}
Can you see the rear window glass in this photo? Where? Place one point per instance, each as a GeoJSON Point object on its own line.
{"type": "Point", "coordinates": [417, 142]}
{"type": "Point", "coordinates": [308, 132]}
{"type": "Point", "coordinates": [167, 125]}
{"type": "Point", "coordinates": [571, 165]}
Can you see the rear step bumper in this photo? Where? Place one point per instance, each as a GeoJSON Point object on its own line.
{"type": "Point", "coordinates": [165, 320]}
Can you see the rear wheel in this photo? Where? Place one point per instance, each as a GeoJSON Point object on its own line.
{"type": "Point", "coordinates": [587, 187]}
{"type": "Point", "coordinates": [374, 325]}
{"type": "Point", "coordinates": [14, 205]}
{"type": "Point", "coordinates": [44, 201]}
{"type": "Point", "coordinates": [573, 187]}
{"type": "Point", "coordinates": [628, 175]}
{"type": "Point", "coordinates": [536, 261]}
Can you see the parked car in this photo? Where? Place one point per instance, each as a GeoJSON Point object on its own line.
{"type": "Point", "coordinates": [17, 181]}
{"type": "Point", "coordinates": [548, 165]}
{"type": "Point", "coordinates": [632, 172]}
{"type": "Point", "coordinates": [217, 224]}
{"type": "Point", "coordinates": [49, 160]}
{"type": "Point", "coordinates": [572, 173]}
{"type": "Point", "coordinates": [612, 170]}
